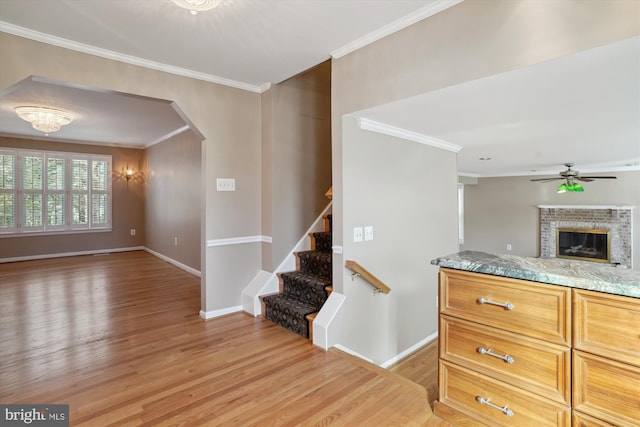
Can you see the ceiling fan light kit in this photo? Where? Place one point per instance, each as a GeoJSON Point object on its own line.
{"type": "Point", "coordinates": [570, 176]}
{"type": "Point", "coordinates": [570, 187]}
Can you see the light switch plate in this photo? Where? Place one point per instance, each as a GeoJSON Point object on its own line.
{"type": "Point", "coordinates": [357, 234]}
{"type": "Point", "coordinates": [226, 184]}
{"type": "Point", "coordinates": [368, 233]}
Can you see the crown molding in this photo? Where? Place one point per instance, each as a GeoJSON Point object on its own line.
{"type": "Point", "coordinates": [395, 26]}
{"type": "Point", "coordinates": [397, 132]}
{"type": "Point", "coordinates": [632, 167]}
{"type": "Point", "coordinates": [128, 59]}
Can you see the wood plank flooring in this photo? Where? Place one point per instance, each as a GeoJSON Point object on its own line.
{"type": "Point", "coordinates": [118, 338]}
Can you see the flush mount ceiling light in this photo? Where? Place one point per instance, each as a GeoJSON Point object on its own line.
{"type": "Point", "coordinates": [195, 6]}
{"type": "Point", "coordinates": [44, 119]}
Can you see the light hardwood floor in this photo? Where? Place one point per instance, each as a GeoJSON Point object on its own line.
{"type": "Point", "coordinates": [118, 338]}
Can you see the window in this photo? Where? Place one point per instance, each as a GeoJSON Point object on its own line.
{"type": "Point", "coordinates": [45, 192]}
{"type": "Point", "coordinates": [460, 214]}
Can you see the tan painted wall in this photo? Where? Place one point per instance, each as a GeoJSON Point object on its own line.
{"type": "Point", "coordinates": [296, 156]}
{"type": "Point", "coordinates": [501, 211]}
{"type": "Point", "coordinates": [172, 181]}
{"type": "Point", "coordinates": [474, 39]}
{"type": "Point", "coordinates": [127, 207]}
{"type": "Point", "coordinates": [228, 118]}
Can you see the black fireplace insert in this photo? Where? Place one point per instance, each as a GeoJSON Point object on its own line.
{"type": "Point", "coordinates": [583, 244]}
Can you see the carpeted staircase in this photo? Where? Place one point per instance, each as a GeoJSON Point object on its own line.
{"type": "Point", "coordinates": [302, 292]}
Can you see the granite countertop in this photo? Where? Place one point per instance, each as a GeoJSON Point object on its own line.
{"type": "Point", "coordinates": [576, 274]}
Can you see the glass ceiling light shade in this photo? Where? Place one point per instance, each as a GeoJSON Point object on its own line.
{"type": "Point", "coordinates": [47, 120]}
{"type": "Point", "coordinates": [563, 188]}
{"type": "Point", "coordinates": [570, 187]}
{"type": "Point", "coordinates": [195, 6]}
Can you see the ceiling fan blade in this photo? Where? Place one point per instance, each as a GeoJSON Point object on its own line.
{"type": "Point", "coordinates": [545, 179]}
{"type": "Point", "coordinates": [599, 177]}
{"type": "Point", "coordinates": [583, 178]}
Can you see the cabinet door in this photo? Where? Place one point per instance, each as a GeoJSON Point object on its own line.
{"type": "Point", "coordinates": [606, 389]}
{"type": "Point", "coordinates": [497, 404]}
{"type": "Point", "coordinates": [583, 420]}
{"type": "Point", "coordinates": [608, 325]}
{"type": "Point", "coordinates": [528, 363]}
{"type": "Point", "coordinates": [533, 309]}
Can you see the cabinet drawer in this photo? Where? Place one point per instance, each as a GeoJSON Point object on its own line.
{"type": "Point", "coordinates": [606, 389]}
{"type": "Point", "coordinates": [608, 325]}
{"type": "Point", "coordinates": [534, 365]}
{"type": "Point", "coordinates": [462, 390]}
{"type": "Point", "coordinates": [534, 309]}
{"type": "Point", "coordinates": [582, 420]}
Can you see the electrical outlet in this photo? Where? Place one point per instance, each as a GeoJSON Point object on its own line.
{"type": "Point", "coordinates": [133, 231]}
{"type": "Point", "coordinates": [368, 233]}
{"type": "Point", "coordinates": [357, 234]}
{"type": "Point", "coordinates": [226, 184]}
{"type": "Point", "coordinates": [175, 241]}
{"type": "Point", "coordinates": [509, 246]}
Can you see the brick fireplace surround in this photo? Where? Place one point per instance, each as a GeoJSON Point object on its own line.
{"type": "Point", "coordinates": [616, 219]}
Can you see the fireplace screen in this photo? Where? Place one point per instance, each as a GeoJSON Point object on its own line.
{"type": "Point", "coordinates": [584, 244]}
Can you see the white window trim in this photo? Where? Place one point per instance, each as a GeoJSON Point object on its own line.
{"type": "Point", "coordinates": [460, 213]}
{"type": "Point", "coordinates": [68, 228]}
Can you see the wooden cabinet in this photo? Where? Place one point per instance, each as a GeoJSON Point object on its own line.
{"type": "Point", "coordinates": [606, 358]}
{"type": "Point", "coordinates": [514, 352]}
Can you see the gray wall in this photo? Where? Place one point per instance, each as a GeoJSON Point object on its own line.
{"type": "Point", "coordinates": [471, 40]}
{"type": "Point", "coordinates": [501, 211]}
{"type": "Point", "coordinates": [406, 191]}
{"type": "Point", "coordinates": [172, 176]}
{"type": "Point", "coordinates": [127, 207]}
{"type": "Point", "coordinates": [296, 157]}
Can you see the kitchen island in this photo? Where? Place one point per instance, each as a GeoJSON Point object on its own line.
{"type": "Point", "coordinates": [533, 341]}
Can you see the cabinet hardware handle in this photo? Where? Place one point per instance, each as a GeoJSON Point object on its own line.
{"type": "Point", "coordinates": [505, 305]}
{"type": "Point", "coordinates": [488, 351]}
{"type": "Point", "coordinates": [508, 412]}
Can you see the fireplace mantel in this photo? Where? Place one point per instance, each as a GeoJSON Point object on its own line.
{"type": "Point", "coordinates": [584, 207]}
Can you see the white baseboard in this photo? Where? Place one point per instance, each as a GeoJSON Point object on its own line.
{"type": "Point", "coordinates": [396, 358]}
{"type": "Point", "coordinates": [69, 254]}
{"type": "Point", "coordinates": [208, 315]}
{"type": "Point", "coordinates": [353, 353]}
{"type": "Point", "coordinates": [178, 264]}
{"type": "Point", "coordinates": [325, 317]}
{"type": "Point", "coordinates": [410, 350]}
{"type": "Point", "coordinates": [263, 283]}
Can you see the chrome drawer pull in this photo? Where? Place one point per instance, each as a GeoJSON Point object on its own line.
{"type": "Point", "coordinates": [508, 412]}
{"type": "Point", "coordinates": [488, 351]}
{"type": "Point", "coordinates": [506, 305]}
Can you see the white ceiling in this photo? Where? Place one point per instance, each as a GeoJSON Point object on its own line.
{"type": "Point", "coordinates": [582, 109]}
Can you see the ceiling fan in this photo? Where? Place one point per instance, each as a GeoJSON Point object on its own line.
{"type": "Point", "coordinates": [570, 176]}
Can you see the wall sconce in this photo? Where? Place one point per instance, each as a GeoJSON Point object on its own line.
{"type": "Point", "coordinates": [128, 173]}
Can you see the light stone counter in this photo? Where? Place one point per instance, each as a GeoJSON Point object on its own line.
{"type": "Point", "coordinates": [576, 274]}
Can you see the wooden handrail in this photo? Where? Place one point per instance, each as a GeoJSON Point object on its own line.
{"type": "Point", "coordinates": [358, 270]}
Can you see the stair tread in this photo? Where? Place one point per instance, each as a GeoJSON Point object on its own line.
{"type": "Point", "coordinates": [310, 279]}
{"type": "Point", "coordinates": [279, 301]}
{"type": "Point", "coordinates": [305, 290]}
